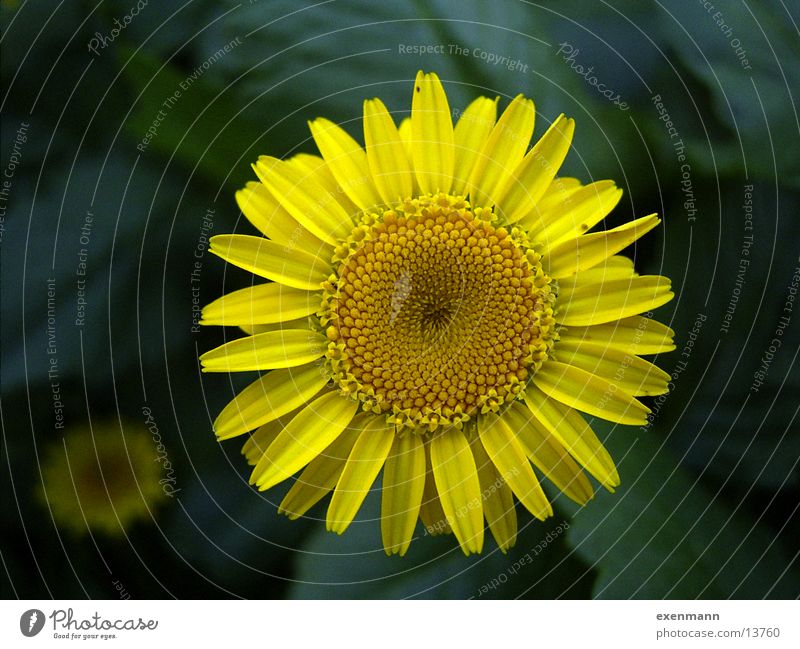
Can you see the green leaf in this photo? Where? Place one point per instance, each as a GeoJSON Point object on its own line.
{"type": "Point", "coordinates": [229, 531]}
{"type": "Point", "coordinates": [730, 307]}
{"type": "Point", "coordinates": [181, 114]}
{"type": "Point", "coordinates": [321, 61]}
{"type": "Point", "coordinates": [747, 57]}
{"type": "Point", "coordinates": [663, 535]}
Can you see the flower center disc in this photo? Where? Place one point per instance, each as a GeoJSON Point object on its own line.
{"type": "Point", "coordinates": [437, 314]}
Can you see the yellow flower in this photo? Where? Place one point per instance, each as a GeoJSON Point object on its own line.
{"type": "Point", "coordinates": [437, 310]}
{"type": "Point", "coordinates": [101, 479]}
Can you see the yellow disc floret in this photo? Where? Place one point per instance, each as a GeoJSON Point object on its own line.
{"type": "Point", "coordinates": [436, 313]}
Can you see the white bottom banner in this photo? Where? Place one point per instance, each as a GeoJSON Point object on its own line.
{"type": "Point", "coordinates": [400, 624]}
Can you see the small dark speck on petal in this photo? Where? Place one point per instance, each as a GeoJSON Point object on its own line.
{"type": "Point", "coordinates": [418, 88]}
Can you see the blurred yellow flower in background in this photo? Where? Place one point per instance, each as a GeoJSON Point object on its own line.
{"type": "Point", "coordinates": [101, 478]}
{"type": "Point", "coordinates": [439, 309]}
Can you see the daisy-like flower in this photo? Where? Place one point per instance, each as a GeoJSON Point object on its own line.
{"type": "Point", "coordinates": [101, 480]}
{"type": "Point", "coordinates": [439, 308]}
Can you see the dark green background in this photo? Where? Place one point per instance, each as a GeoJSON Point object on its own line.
{"type": "Point", "coordinates": [709, 495]}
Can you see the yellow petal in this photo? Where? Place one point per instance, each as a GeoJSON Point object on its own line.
{"type": "Point", "coordinates": [273, 261]}
{"type": "Point", "coordinates": [404, 130]}
{"type": "Point", "coordinates": [634, 335]}
{"type": "Point", "coordinates": [365, 462]}
{"type": "Point", "coordinates": [631, 373]}
{"type": "Point", "coordinates": [469, 136]}
{"type": "Point", "coordinates": [556, 201]}
{"type": "Point", "coordinates": [303, 439]}
{"type": "Point", "coordinates": [314, 207]}
{"type": "Point", "coordinates": [569, 428]}
{"type": "Point", "coordinates": [265, 213]}
{"type": "Point", "coordinates": [313, 167]}
{"type": "Point", "coordinates": [403, 482]}
{"type": "Point", "coordinates": [258, 443]}
{"type": "Point", "coordinates": [577, 388]}
{"type": "Point", "coordinates": [388, 163]}
{"type": "Point", "coordinates": [616, 267]}
{"type": "Point", "coordinates": [502, 151]}
{"type": "Point", "coordinates": [269, 397]}
{"type": "Point", "coordinates": [558, 192]}
{"type": "Point", "coordinates": [430, 512]}
{"type": "Point", "coordinates": [512, 464]}
{"type": "Point", "coordinates": [431, 135]}
{"type": "Point", "coordinates": [548, 454]}
{"type": "Point", "coordinates": [574, 255]}
{"type": "Point", "coordinates": [267, 351]}
{"type": "Point", "coordinates": [347, 162]}
{"type": "Point", "coordinates": [459, 488]}
{"type": "Point", "coordinates": [319, 477]}
{"type": "Point", "coordinates": [535, 173]}
{"type": "Point", "coordinates": [261, 304]}
{"type": "Point", "coordinates": [619, 261]}
{"type": "Point", "coordinates": [298, 323]}
{"type": "Point", "coordinates": [581, 211]}
{"type": "Point", "coordinates": [592, 304]}
{"type": "Point", "coordinates": [498, 502]}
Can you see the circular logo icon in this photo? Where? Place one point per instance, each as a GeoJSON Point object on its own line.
{"type": "Point", "coordinates": [31, 622]}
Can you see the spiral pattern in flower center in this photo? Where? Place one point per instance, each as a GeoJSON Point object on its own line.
{"type": "Point", "coordinates": [437, 313]}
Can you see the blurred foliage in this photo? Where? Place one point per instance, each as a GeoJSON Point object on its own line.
{"type": "Point", "coordinates": [663, 534]}
{"type": "Point", "coordinates": [709, 492]}
{"type": "Point", "coordinates": [354, 565]}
